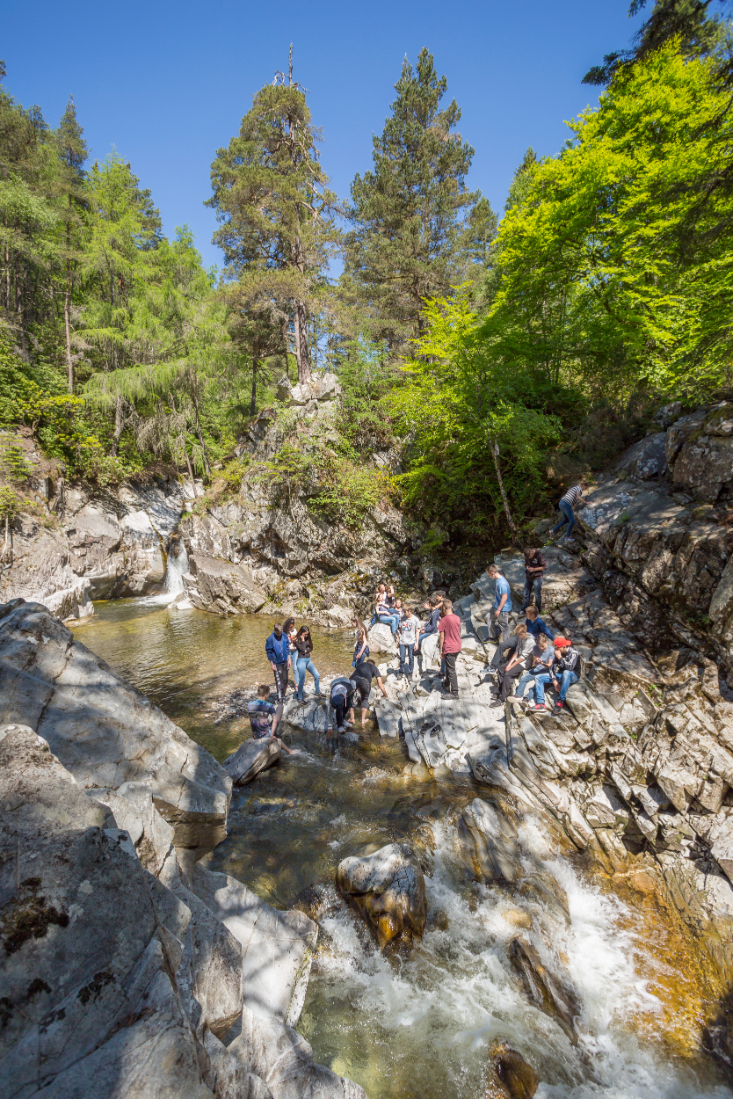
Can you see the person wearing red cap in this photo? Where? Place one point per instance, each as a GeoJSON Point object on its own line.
{"type": "Point", "coordinates": [565, 671]}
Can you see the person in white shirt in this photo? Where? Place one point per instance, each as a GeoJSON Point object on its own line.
{"type": "Point", "coordinates": [408, 630]}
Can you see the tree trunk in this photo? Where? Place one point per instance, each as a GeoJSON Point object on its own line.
{"type": "Point", "coordinates": [301, 343]}
{"type": "Point", "coordinates": [253, 402]}
{"type": "Point", "coordinates": [67, 297]}
{"type": "Point", "coordinates": [119, 427]}
{"type": "Point", "coordinates": [494, 446]}
{"type": "Point", "coordinates": [207, 467]}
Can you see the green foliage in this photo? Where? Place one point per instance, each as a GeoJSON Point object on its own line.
{"type": "Point", "coordinates": [14, 466]}
{"type": "Point", "coordinates": [11, 504]}
{"type": "Point", "coordinates": [349, 491]}
{"type": "Point", "coordinates": [367, 375]}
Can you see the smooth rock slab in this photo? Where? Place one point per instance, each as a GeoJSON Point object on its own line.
{"type": "Point", "coordinates": [104, 731]}
{"type": "Point", "coordinates": [388, 889]}
{"type": "Point", "coordinates": [253, 757]}
{"type": "Point", "coordinates": [493, 846]}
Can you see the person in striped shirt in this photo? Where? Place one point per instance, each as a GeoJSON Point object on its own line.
{"type": "Point", "coordinates": [566, 505]}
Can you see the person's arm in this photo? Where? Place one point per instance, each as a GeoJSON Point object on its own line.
{"type": "Point", "coordinates": [440, 641]}
{"type": "Point", "coordinates": [275, 720]}
{"type": "Point", "coordinates": [381, 686]}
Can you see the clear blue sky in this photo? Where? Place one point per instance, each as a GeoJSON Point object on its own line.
{"type": "Point", "coordinates": [167, 83]}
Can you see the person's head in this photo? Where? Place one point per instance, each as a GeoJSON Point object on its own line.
{"type": "Point", "coordinates": [532, 613]}
{"type": "Point", "coordinates": [303, 634]}
{"type": "Point", "coordinates": [288, 625]}
{"type": "Point", "coordinates": [398, 603]}
{"type": "Point", "coordinates": [543, 641]}
{"type": "Point", "coordinates": [493, 571]}
{"type": "Point", "coordinates": [381, 589]}
{"type": "Point", "coordinates": [521, 632]}
{"type": "Point", "coordinates": [447, 608]}
{"type": "Point", "coordinates": [561, 643]}
{"type": "Point", "coordinates": [529, 553]}
{"type": "Point", "coordinates": [263, 691]}
{"type": "Point", "coordinates": [407, 610]}
{"type": "Point", "coordinates": [278, 630]}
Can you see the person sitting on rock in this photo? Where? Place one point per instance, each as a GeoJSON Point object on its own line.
{"type": "Point", "coordinates": [264, 718]}
{"type": "Point", "coordinates": [362, 677]}
{"type": "Point", "coordinates": [542, 657]}
{"type": "Point", "coordinates": [566, 505]}
{"type": "Point", "coordinates": [498, 621]}
{"type": "Point", "coordinates": [342, 699]}
{"type": "Point", "coordinates": [536, 625]}
{"type": "Point", "coordinates": [409, 627]}
{"type": "Point", "coordinates": [383, 612]}
{"type": "Point", "coordinates": [514, 667]}
{"type": "Point", "coordinates": [361, 649]}
{"type": "Point", "coordinates": [432, 605]}
{"type": "Point", "coordinates": [304, 648]}
{"type": "Point", "coordinates": [535, 564]}
{"type": "Point", "coordinates": [566, 670]}
{"type": "Point", "coordinates": [277, 648]}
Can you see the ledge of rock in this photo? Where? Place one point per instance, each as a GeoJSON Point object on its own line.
{"type": "Point", "coordinates": [222, 586]}
{"type": "Point", "coordinates": [388, 889]}
{"type": "Point", "coordinates": [104, 731]}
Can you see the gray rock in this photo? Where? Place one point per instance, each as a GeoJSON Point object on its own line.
{"type": "Point", "coordinates": [493, 843]}
{"type": "Point", "coordinates": [604, 809]}
{"type": "Point", "coordinates": [381, 639]}
{"type": "Point", "coordinates": [646, 459]}
{"type": "Point", "coordinates": [222, 587]}
{"type": "Point", "coordinates": [388, 889]}
{"type": "Point", "coordinates": [251, 758]}
{"type": "Point", "coordinates": [104, 731]}
{"type": "Point", "coordinates": [555, 996]}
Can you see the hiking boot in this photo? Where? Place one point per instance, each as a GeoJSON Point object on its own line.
{"type": "Point", "coordinates": [538, 708]}
{"type": "Point", "coordinates": [559, 705]}
{"type": "Point", "coordinates": [449, 694]}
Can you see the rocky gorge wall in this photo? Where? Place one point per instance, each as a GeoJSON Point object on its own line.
{"type": "Point", "coordinates": [128, 968]}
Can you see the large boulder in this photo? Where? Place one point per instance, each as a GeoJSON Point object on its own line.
{"type": "Point", "coordinates": [388, 889]}
{"type": "Point", "coordinates": [104, 731]}
{"type": "Point", "coordinates": [382, 640]}
{"type": "Point", "coordinates": [222, 587]}
{"type": "Point", "coordinates": [645, 460]}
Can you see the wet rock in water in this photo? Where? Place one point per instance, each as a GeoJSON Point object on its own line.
{"type": "Point", "coordinates": [388, 889]}
{"type": "Point", "coordinates": [318, 900]}
{"type": "Point", "coordinates": [546, 891]}
{"type": "Point", "coordinates": [491, 842]}
{"type": "Point", "coordinates": [543, 988]}
{"type": "Point", "coordinates": [251, 758]}
{"type": "Point", "coordinates": [511, 1077]}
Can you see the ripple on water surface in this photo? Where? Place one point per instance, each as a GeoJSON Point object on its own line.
{"type": "Point", "coordinates": [416, 1027]}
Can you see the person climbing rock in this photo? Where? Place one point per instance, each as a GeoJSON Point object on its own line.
{"type": "Point", "coordinates": [304, 648]}
{"type": "Point", "coordinates": [341, 698]}
{"type": "Point", "coordinates": [449, 628]}
{"type": "Point", "coordinates": [567, 502]}
{"type": "Point", "coordinates": [535, 564]}
{"type": "Point", "coordinates": [408, 629]}
{"type": "Point", "coordinates": [498, 621]}
{"type": "Point", "coordinates": [362, 677]}
{"type": "Point", "coordinates": [277, 648]}
{"type": "Point", "coordinates": [264, 718]}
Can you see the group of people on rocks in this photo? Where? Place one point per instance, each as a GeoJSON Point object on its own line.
{"type": "Point", "coordinates": [528, 659]}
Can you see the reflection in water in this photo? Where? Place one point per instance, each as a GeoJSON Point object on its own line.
{"type": "Point", "coordinates": [415, 1027]}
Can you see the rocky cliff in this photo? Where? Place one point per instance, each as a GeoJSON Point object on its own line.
{"type": "Point", "coordinates": [128, 968]}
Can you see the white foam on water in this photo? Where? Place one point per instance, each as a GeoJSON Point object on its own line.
{"type": "Point", "coordinates": [429, 1019]}
{"type": "Point", "coordinates": [176, 568]}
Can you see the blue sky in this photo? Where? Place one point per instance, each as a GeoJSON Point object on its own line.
{"type": "Point", "coordinates": [167, 83]}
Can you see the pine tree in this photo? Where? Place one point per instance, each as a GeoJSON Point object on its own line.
{"type": "Point", "coordinates": [72, 150]}
{"type": "Point", "coordinates": [407, 240]}
{"type": "Point", "coordinates": [270, 195]}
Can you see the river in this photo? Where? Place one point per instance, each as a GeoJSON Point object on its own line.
{"type": "Point", "coordinates": [420, 1027]}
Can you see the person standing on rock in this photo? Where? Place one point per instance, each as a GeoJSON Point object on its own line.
{"type": "Point", "coordinates": [535, 564]}
{"type": "Point", "coordinates": [514, 667]}
{"type": "Point", "coordinates": [498, 620]}
{"type": "Point", "coordinates": [566, 505]}
{"type": "Point", "coordinates": [449, 628]}
{"type": "Point", "coordinates": [277, 648]}
{"type": "Point", "coordinates": [536, 625]}
{"type": "Point", "coordinates": [304, 648]}
{"type": "Point", "coordinates": [408, 642]}
{"type": "Point", "coordinates": [264, 718]}
{"type": "Point", "coordinates": [361, 649]}
{"type": "Point", "coordinates": [362, 677]}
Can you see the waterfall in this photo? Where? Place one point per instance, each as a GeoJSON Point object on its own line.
{"type": "Point", "coordinates": [176, 568]}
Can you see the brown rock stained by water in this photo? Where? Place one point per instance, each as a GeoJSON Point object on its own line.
{"type": "Point", "coordinates": [388, 890]}
{"type": "Point", "coordinates": [544, 989]}
{"type": "Point", "coordinates": [510, 1076]}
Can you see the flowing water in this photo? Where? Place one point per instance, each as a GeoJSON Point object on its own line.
{"type": "Point", "coordinates": [420, 1026]}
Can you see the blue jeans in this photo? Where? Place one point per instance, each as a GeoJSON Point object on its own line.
{"type": "Point", "coordinates": [569, 518]}
{"type": "Point", "coordinates": [364, 655]}
{"type": "Point", "coordinates": [407, 656]}
{"type": "Point", "coordinates": [524, 679]}
{"type": "Point", "coordinates": [305, 664]}
{"type": "Point", "coordinates": [388, 620]}
{"type": "Point", "coordinates": [566, 681]}
{"type": "Point", "coordinates": [530, 586]}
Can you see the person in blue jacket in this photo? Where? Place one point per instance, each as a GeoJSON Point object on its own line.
{"type": "Point", "coordinates": [536, 625]}
{"type": "Point", "coordinates": [277, 648]}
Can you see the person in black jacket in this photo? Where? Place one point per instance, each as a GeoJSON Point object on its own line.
{"type": "Point", "coordinates": [535, 564]}
{"type": "Point", "coordinates": [303, 649]}
{"type": "Point", "coordinates": [362, 677]}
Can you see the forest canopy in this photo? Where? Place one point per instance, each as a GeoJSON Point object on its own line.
{"type": "Point", "coordinates": [499, 355]}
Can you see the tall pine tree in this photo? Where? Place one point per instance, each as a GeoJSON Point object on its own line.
{"type": "Point", "coordinates": [408, 242]}
{"type": "Point", "coordinates": [272, 199]}
{"type": "Point", "coordinates": [72, 151]}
